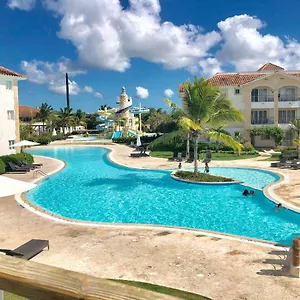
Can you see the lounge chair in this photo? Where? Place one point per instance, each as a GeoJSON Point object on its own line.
{"type": "Point", "coordinates": [294, 165]}
{"type": "Point", "coordinates": [280, 163]}
{"type": "Point", "coordinates": [28, 250]}
{"type": "Point", "coordinates": [183, 155]}
{"type": "Point", "coordinates": [136, 153]}
{"type": "Point", "coordinates": [13, 168]}
{"type": "Point", "coordinates": [31, 166]}
{"type": "Point", "coordinates": [175, 156]}
{"type": "Point", "coordinates": [191, 157]}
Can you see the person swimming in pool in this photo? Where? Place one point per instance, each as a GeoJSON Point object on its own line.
{"type": "Point", "coordinates": [206, 170]}
{"type": "Point", "coordinates": [246, 192]}
{"type": "Point", "coordinates": [251, 193]}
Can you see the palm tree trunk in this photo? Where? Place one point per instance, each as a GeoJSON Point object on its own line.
{"type": "Point", "coordinates": [188, 146]}
{"type": "Point", "coordinates": [196, 156]}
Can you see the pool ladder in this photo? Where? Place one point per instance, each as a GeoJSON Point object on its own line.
{"type": "Point", "coordinates": [36, 172]}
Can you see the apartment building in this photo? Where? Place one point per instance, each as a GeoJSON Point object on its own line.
{"type": "Point", "coordinates": [9, 110]}
{"type": "Point", "coordinates": [269, 96]}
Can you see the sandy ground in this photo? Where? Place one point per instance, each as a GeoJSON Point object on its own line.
{"type": "Point", "coordinates": [218, 268]}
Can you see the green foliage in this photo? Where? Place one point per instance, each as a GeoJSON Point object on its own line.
{"type": "Point", "coordinates": [201, 177]}
{"type": "Point", "coordinates": [43, 139]}
{"type": "Point", "coordinates": [2, 167]}
{"type": "Point", "coordinates": [16, 158]}
{"type": "Point", "coordinates": [274, 132]}
{"type": "Point", "coordinates": [44, 113]}
{"type": "Point", "coordinates": [128, 140]}
{"type": "Point", "coordinates": [289, 154]}
{"type": "Point", "coordinates": [26, 131]}
{"type": "Point", "coordinates": [59, 137]}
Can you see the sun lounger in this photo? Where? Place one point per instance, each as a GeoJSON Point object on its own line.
{"type": "Point", "coordinates": [28, 250]}
{"type": "Point", "coordinates": [175, 156]}
{"type": "Point", "coordinates": [136, 153]}
{"type": "Point", "coordinates": [294, 165]}
{"type": "Point", "coordinates": [280, 163]}
{"type": "Point", "coordinates": [14, 168]}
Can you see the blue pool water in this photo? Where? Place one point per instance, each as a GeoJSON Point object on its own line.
{"type": "Point", "coordinates": [93, 188]}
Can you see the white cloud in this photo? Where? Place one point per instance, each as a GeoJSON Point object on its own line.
{"type": "Point", "coordinates": [59, 87]}
{"type": "Point", "coordinates": [107, 36]}
{"type": "Point", "coordinates": [88, 89]}
{"type": "Point", "coordinates": [53, 75]}
{"type": "Point", "coordinates": [98, 95]}
{"type": "Point", "coordinates": [246, 48]}
{"type": "Point", "coordinates": [21, 4]}
{"type": "Point", "coordinates": [142, 93]}
{"type": "Point", "coordinates": [168, 93]}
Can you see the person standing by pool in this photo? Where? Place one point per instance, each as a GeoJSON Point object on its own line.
{"type": "Point", "coordinates": [206, 168]}
{"type": "Point", "coordinates": [179, 166]}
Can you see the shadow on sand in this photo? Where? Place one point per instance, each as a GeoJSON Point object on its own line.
{"type": "Point", "coordinates": [279, 264]}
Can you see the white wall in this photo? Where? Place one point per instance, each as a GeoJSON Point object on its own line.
{"type": "Point", "coordinates": [7, 127]}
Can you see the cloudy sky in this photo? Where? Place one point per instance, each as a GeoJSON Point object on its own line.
{"type": "Point", "coordinates": [148, 46]}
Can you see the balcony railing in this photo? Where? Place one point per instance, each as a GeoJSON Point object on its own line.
{"type": "Point", "coordinates": [286, 120]}
{"type": "Point", "coordinates": [288, 98]}
{"type": "Point", "coordinates": [262, 121]}
{"type": "Point", "coordinates": [262, 98]}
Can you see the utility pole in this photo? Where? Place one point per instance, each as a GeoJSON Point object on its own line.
{"type": "Point", "coordinates": [67, 89]}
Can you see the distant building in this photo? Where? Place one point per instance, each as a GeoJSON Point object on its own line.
{"type": "Point", "coordinates": [9, 110]}
{"type": "Point", "coordinates": [27, 113]}
{"type": "Point", "coordinates": [269, 96]}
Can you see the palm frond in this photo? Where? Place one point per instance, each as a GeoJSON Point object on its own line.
{"type": "Point", "coordinates": [189, 124]}
{"type": "Point", "coordinates": [168, 138]}
{"type": "Point", "coordinates": [224, 138]}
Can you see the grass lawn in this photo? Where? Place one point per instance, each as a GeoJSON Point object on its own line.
{"type": "Point", "coordinates": [8, 296]}
{"type": "Point", "coordinates": [215, 156]}
{"type": "Point", "coordinates": [274, 157]}
{"type": "Point", "coordinates": [164, 290]}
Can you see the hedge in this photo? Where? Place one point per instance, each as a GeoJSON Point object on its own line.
{"type": "Point", "coordinates": [128, 140]}
{"type": "Point", "coordinates": [2, 167]}
{"type": "Point", "coordinates": [289, 154]}
{"type": "Point", "coordinates": [16, 159]}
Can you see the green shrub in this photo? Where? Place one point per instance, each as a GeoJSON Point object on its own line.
{"type": "Point", "coordinates": [289, 154]}
{"type": "Point", "coordinates": [128, 140]}
{"type": "Point", "coordinates": [202, 177]}
{"type": "Point", "coordinates": [59, 137]}
{"type": "Point", "coordinates": [2, 167]}
{"type": "Point", "coordinates": [16, 159]}
{"type": "Point", "coordinates": [43, 140]}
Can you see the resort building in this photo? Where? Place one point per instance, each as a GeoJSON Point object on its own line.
{"type": "Point", "coordinates": [269, 96]}
{"type": "Point", "coordinates": [9, 110]}
{"type": "Point", "coordinates": [27, 114]}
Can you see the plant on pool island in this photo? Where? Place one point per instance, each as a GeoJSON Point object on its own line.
{"type": "Point", "coordinates": [204, 110]}
{"type": "Point", "coordinates": [201, 177]}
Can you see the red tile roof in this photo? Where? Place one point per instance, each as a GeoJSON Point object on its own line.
{"type": "Point", "coordinates": [4, 71]}
{"type": "Point", "coordinates": [27, 111]}
{"type": "Point", "coordinates": [233, 79]}
{"type": "Point", "coordinates": [270, 67]}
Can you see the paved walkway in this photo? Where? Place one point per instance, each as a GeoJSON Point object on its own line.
{"type": "Point", "coordinates": [216, 267]}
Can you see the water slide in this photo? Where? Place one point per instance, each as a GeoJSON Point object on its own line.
{"type": "Point", "coordinates": [116, 135]}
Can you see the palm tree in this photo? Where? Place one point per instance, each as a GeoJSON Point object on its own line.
{"type": "Point", "coordinates": [205, 108]}
{"type": "Point", "coordinates": [65, 117]}
{"type": "Point", "coordinates": [295, 130]}
{"type": "Point", "coordinates": [44, 114]}
{"type": "Point", "coordinates": [79, 118]}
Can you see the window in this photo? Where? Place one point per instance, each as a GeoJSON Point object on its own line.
{"type": "Point", "coordinates": [286, 116]}
{"type": "Point", "coordinates": [10, 115]}
{"type": "Point", "coordinates": [8, 85]}
{"type": "Point", "coordinates": [261, 95]}
{"type": "Point", "coordinates": [259, 117]}
{"type": "Point", "coordinates": [237, 91]}
{"type": "Point", "coordinates": [11, 144]}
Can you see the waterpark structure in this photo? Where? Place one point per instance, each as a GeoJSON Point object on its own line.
{"type": "Point", "coordinates": [130, 125]}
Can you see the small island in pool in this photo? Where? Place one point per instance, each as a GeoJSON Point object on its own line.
{"type": "Point", "coordinates": [201, 177]}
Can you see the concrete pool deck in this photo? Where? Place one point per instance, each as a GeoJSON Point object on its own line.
{"type": "Point", "coordinates": [215, 267]}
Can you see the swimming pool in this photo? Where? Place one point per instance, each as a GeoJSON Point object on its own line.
{"type": "Point", "coordinates": [92, 188]}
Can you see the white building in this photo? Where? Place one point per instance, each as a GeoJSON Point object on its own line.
{"type": "Point", "coordinates": [269, 96]}
{"type": "Point", "coordinates": [9, 110]}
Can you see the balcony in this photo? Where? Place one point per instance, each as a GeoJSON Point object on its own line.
{"type": "Point", "coordinates": [262, 98]}
{"type": "Point", "coordinates": [262, 121]}
{"type": "Point", "coordinates": [288, 98]}
{"type": "Point", "coordinates": [286, 120]}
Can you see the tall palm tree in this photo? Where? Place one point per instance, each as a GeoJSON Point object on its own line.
{"type": "Point", "coordinates": [205, 109]}
{"type": "Point", "coordinates": [65, 117]}
{"type": "Point", "coordinates": [295, 130]}
{"type": "Point", "coordinates": [44, 113]}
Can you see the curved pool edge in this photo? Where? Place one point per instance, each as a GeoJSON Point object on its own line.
{"type": "Point", "coordinates": [22, 200]}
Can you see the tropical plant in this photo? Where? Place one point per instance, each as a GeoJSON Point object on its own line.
{"type": "Point", "coordinates": [65, 117]}
{"type": "Point", "coordinates": [26, 131]}
{"type": "Point", "coordinates": [44, 113]}
{"type": "Point", "coordinates": [79, 118]}
{"type": "Point", "coordinates": [274, 132]}
{"type": "Point", "coordinates": [295, 130]}
{"type": "Point", "coordinates": [204, 109]}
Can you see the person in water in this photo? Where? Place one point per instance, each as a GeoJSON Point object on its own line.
{"type": "Point", "coordinates": [246, 192]}
{"type": "Point", "coordinates": [206, 168]}
{"type": "Point", "coordinates": [279, 207]}
{"type": "Point", "coordinates": [251, 193]}
{"type": "Point", "coordinates": [179, 166]}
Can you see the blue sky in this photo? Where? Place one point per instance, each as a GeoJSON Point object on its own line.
{"type": "Point", "coordinates": [107, 44]}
